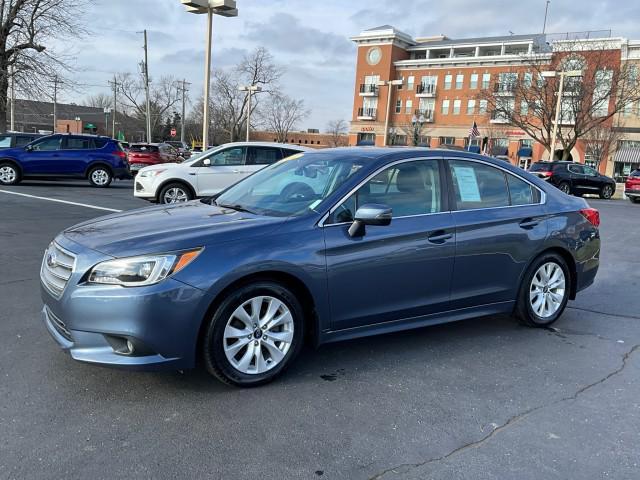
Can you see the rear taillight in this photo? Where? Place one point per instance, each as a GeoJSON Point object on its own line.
{"type": "Point", "coordinates": [592, 215]}
{"type": "Point", "coordinates": [121, 154]}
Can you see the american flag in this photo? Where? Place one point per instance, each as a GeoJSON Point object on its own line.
{"type": "Point", "coordinates": [473, 131]}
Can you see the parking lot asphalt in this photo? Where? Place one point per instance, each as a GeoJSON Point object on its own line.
{"type": "Point", "coordinates": [479, 399]}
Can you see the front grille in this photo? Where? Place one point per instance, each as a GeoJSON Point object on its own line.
{"type": "Point", "coordinates": [59, 325]}
{"type": "Point", "coordinates": [57, 267]}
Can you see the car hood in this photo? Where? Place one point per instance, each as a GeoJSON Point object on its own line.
{"type": "Point", "coordinates": [168, 228]}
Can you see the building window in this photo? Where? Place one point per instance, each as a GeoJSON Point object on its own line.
{"type": "Point", "coordinates": [447, 81]}
{"type": "Point", "coordinates": [398, 106]}
{"type": "Point", "coordinates": [486, 80]}
{"type": "Point", "coordinates": [447, 140]}
{"type": "Point", "coordinates": [528, 79]}
{"type": "Point", "coordinates": [524, 107]}
{"type": "Point", "coordinates": [627, 111]}
{"type": "Point", "coordinates": [424, 141]}
{"type": "Point", "coordinates": [402, 84]}
{"type": "Point", "coordinates": [471, 107]}
{"type": "Point", "coordinates": [459, 81]}
{"type": "Point", "coordinates": [445, 107]}
{"type": "Point", "coordinates": [456, 107]}
{"type": "Point", "coordinates": [410, 82]}
{"type": "Point", "coordinates": [408, 105]}
{"type": "Point", "coordinates": [473, 84]}
{"type": "Point", "coordinates": [483, 107]}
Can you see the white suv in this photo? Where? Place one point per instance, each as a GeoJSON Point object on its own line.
{"type": "Point", "coordinates": [209, 172]}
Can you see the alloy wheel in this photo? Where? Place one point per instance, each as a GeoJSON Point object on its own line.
{"type": "Point", "coordinates": [606, 192]}
{"type": "Point", "coordinates": [258, 335]}
{"type": "Point", "coordinates": [565, 188]}
{"type": "Point", "coordinates": [547, 290]}
{"type": "Point", "coordinates": [8, 174]}
{"type": "Point", "coordinates": [100, 177]}
{"type": "Point", "coordinates": [175, 195]}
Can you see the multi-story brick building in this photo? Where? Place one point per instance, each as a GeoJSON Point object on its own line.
{"type": "Point", "coordinates": [438, 81]}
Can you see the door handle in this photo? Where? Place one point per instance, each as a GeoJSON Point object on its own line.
{"type": "Point", "coordinates": [439, 236]}
{"type": "Point", "coordinates": [529, 223]}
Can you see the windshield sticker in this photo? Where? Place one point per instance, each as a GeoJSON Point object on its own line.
{"type": "Point", "coordinates": [467, 184]}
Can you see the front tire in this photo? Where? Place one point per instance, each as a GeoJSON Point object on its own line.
{"type": "Point", "coordinates": [607, 192]}
{"type": "Point", "coordinates": [544, 292]}
{"type": "Point", "coordinates": [174, 193]}
{"type": "Point", "coordinates": [100, 177]}
{"type": "Point", "coordinates": [9, 174]}
{"type": "Point", "coordinates": [254, 334]}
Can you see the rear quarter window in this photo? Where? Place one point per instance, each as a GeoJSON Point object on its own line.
{"type": "Point", "coordinates": [100, 142]}
{"type": "Point", "coordinates": [541, 167]}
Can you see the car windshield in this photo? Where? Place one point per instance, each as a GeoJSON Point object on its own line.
{"type": "Point", "coordinates": [635, 173]}
{"type": "Point", "coordinates": [144, 148]}
{"type": "Point", "coordinates": [541, 167]}
{"type": "Point", "coordinates": [291, 187]}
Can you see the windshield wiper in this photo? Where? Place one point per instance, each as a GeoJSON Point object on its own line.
{"type": "Point", "coordinates": [235, 206]}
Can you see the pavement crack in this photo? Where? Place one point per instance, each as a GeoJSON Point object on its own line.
{"type": "Point", "coordinates": [17, 281]}
{"type": "Point", "coordinates": [633, 317]}
{"type": "Point", "coordinates": [406, 467]}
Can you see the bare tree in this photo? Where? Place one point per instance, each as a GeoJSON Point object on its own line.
{"type": "Point", "coordinates": [99, 100]}
{"type": "Point", "coordinates": [337, 130]}
{"type": "Point", "coordinates": [163, 96]}
{"type": "Point", "coordinates": [602, 140]}
{"type": "Point", "coordinates": [525, 98]}
{"type": "Point", "coordinates": [282, 113]}
{"type": "Point", "coordinates": [27, 29]}
{"type": "Point", "coordinates": [229, 105]}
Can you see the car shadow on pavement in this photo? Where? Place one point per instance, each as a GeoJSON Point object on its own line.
{"type": "Point", "coordinates": [117, 184]}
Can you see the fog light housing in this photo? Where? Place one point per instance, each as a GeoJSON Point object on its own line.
{"type": "Point", "coordinates": [127, 346]}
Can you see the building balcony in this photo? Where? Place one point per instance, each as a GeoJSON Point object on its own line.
{"type": "Point", "coordinates": [368, 90]}
{"type": "Point", "coordinates": [367, 113]}
{"type": "Point", "coordinates": [427, 90]}
{"type": "Point", "coordinates": [498, 117]}
{"type": "Point", "coordinates": [504, 88]}
{"type": "Point", "coordinates": [426, 114]}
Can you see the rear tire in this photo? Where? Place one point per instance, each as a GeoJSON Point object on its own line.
{"type": "Point", "coordinates": [544, 291]}
{"type": "Point", "coordinates": [564, 187]}
{"type": "Point", "coordinates": [175, 192]}
{"type": "Point", "coordinates": [9, 174]}
{"type": "Point", "coordinates": [606, 192]}
{"type": "Point", "coordinates": [267, 341]}
{"type": "Point", "coordinates": [100, 177]}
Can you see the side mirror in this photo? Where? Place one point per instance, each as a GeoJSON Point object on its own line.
{"type": "Point", "coordinates": [206, 162]}
{"type": "Point", "coordinates": [28, 148]}
{"type": "Point", "coordinates": [370, 214]}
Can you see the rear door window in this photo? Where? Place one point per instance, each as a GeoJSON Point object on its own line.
{"type": "Point", "coordinates": [477, 185]}
{"type": "Point", "coordinates": [263, 155]}
{"type": "Point", "coordinates": [77, 143]}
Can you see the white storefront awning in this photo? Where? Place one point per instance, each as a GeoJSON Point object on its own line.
{"type": "Point", "coordinates": [627, 155]}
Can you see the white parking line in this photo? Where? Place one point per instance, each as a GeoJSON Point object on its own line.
{"type": "Point", "coordinates": [95, 207]}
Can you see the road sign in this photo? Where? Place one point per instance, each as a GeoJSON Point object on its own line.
{"type": "Point", "coordinates": [174, 132]}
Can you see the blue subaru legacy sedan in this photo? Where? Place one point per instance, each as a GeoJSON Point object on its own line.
{"type": "Point", "coordinates": [324, 246]}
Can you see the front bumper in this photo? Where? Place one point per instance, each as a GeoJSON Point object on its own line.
{"type": "Point", "coordinates": [145, 187]}
{"type": "Point", "coordinates": [162, 321]}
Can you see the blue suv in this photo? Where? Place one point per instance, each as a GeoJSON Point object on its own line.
{"type": "Point", "coordinates": [98, 159]}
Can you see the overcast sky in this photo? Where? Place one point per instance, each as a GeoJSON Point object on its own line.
{"type": "Point", "coordinates": [309, 38]}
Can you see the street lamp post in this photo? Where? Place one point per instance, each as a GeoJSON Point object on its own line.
{"type": "Point", "coordinates": [552, 74]}
{"type": "Point", "coordinates": [225, 8]}
{"type": "Point", "coordinates": [390, 84]}
{"type": "Point", "coordinates": [250, 89]}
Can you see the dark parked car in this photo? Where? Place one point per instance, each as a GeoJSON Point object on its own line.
{"type": "Point", "coordinates": [632, 187]}
{"type": "Point", "coordinates": [575, 178]}
{"type": "Point", "coordinates": [182, 147]}
{"type": "Point", "coordinates": [327, 245]}
{"type": "Point", "coordinates": [11, 140]}
{"type": "Point", "coordinates": [98, 159]}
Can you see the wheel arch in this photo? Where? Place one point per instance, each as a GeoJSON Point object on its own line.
{"type": "Point", "coordinates": [287, 279]}
{"type": "Point", "coordinates": [98, 163]}
{"type": "Point", "coordinates": [569, 260]}
{"type": "Point", "coordinates": [175, 180]}
{"type": "Point", "coordinates": [14, 163]}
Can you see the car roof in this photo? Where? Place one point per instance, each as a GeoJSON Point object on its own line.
{"type": "Point", "coordinates": [267, 144]}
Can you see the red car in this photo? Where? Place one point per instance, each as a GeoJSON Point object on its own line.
{"type": "Point", "coordinates": [144, 154]}
{"type": "Point", "coordinates": [632, 187]}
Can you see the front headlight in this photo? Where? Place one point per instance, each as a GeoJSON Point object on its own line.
{"type": "Point", "coordinates": [151, 173]}
{"type": "Point", "coordinates": [140, 271]}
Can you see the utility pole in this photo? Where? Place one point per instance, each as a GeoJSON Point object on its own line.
{"type": "Point", "coordinates": [146, 85]}
{"type": "Point", "coordinates": [207, 82]}
{"type": "Point", "coordinates": [55, 101]}
{"type": "Point", "coordinates": [13, 99]}
{"type": "Point", "coordinates": [546, 10]}
{"type": "Point", "coordinates": [115, 105]}
{"type": "Point", "coordinates": [184, 108]}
